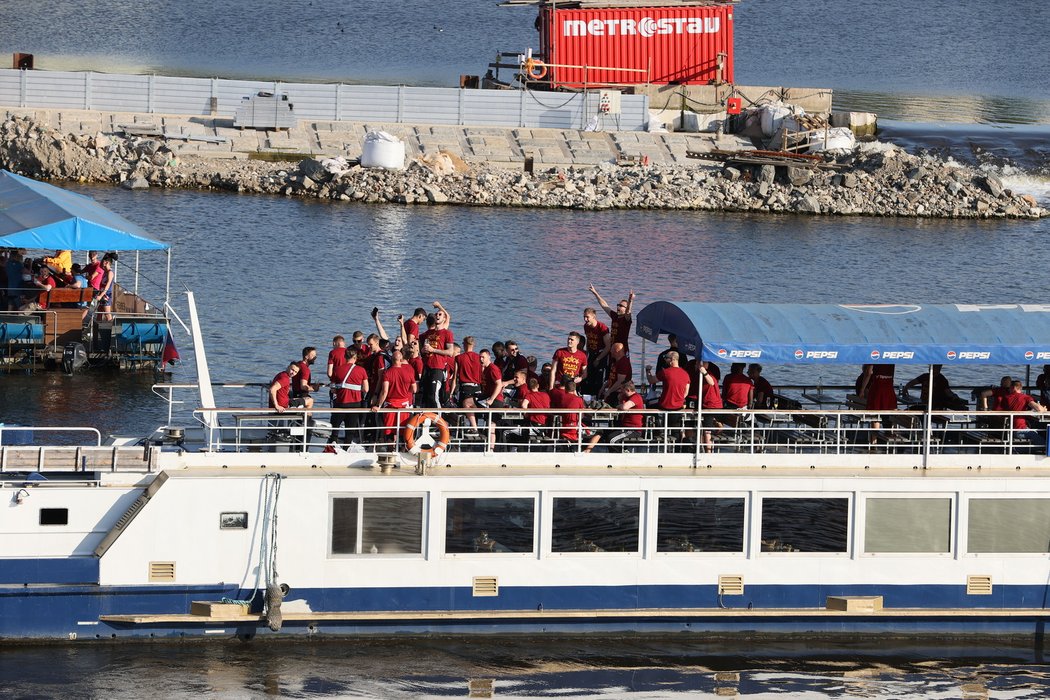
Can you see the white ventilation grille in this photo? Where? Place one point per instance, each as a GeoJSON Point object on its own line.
{"type": "Point", "coordinates": [978, 585]}
{"type": "Point", "coordinates": [731, 585]}
{"type": "Point", "coordinates": [162, 571]}
{"type": "Point", "coordinates": [486, 586]}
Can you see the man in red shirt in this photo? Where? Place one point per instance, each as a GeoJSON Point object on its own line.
{"type": "Point", "coordinates": [301, 387]}
{"type": "Point", "coordinates": [535, 400]}
{"type": "Point", "coordinates": [396, 392]}
{"type": "Point", "coordinates": [569, 362]}
{"type": "Point", "coordinates": [674, 388]}
{"type": "Point", "coordinates": [619, 318]}
{"type": "Point", "coordinates": [337, 355]}
{"type": "Point", "coordinates": [1019, 401]}
{"type": "Point", "coordinates": [598, 345]}
{"type": "Point", "coordinates": [279, 389]}
{"type": "Point", "coordinates": [410, 328]}
{"type": "Point", "coordinates": [436, 345]}
{"type": "Point", "coordinates": [571, 425]}
{"type": "Point", "coordinates": [349, 388]}
{"type": "Point", "coordinates": [468, 377]}
{"type": "Point", "coordinates": [491, 382]}
{"type": "Point", "coordinates": [620, 372]}
{"type": "Point", "coordinates": [763, 396]}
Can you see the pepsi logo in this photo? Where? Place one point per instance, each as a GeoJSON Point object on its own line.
{"type": "Point", "coordinates": [799, 354]}
{"type": "Point", "coordinates": [952, 355]}
{"type": "Point", "coordinates": [874, 354]}
{"type": "Point", "coordinates": [723, 353]}
{"type": "Point", "coordinates": [1029, 355]}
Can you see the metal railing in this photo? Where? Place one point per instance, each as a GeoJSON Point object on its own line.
{"type": "Point", "coordinates": [780, 431]}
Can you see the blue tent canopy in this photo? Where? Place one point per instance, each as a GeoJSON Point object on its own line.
{"type": "Point", "coordinates": [38, 215]}
{"type": "Point", "coordinates": [949, 334]}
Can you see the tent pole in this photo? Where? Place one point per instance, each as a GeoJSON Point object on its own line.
{"type": "Point", "coordinates": [167, 281]}
{"type": "Point", "coordinates": [929, 419]}
{"type": "Point", "coordinates": [136, 273]}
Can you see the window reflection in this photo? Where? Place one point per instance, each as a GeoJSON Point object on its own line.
{"type": "Point", "coordinates": [595, 525]}
{"type": "Point", "coordinates": [489, 525]}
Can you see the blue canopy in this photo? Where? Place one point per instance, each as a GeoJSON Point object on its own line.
{"type": "Point", "coordinates": [38, 215]}
{"type": "Point", "coordinates": [855, 334]}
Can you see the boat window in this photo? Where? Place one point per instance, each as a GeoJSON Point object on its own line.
{"type": "Point", "coordinates": [908, 525]}
{"type": "Point", "coordinates": [489, 525]}
{"type": "Point", "coordinates": [233, 521]}
{"type": "Point", "coordinates": [54, 516]}
{"type": "Point", "coordinates": [1004, 525]}
{"type": "Point", "coordinates": [700, 525]}
{"type": "Point", "coordinates": [377, 525]}
{"type": "Point", "coordinates": [595, 525]}
{"type": "Point", "coordinates": [805, 524]}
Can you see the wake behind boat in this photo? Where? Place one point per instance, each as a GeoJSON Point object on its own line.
{"type": "Point", "coordinates": [828, 520]}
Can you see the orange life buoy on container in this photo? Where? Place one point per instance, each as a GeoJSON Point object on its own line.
{"type": "Point", "coordinates": [535, 69]}
{"type": "Point", "coordinates": [426, 444]}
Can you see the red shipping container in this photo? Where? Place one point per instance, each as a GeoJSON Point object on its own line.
{"type": "Point", "coordinates": [661, 44]}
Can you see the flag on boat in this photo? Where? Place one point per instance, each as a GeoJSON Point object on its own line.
{"type": "Point", "coordinates": [170, 355]}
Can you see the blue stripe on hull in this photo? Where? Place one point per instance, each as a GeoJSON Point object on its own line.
{"type": "Point", "coordinates": [64, 570]}
{"type": "Point", "coordinates": [53, 612]}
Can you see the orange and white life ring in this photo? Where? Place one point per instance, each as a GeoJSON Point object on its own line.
{"type": "Point", "coordinates": [426, 443]}
{"type": "Point", "coordinates": [535, 69]}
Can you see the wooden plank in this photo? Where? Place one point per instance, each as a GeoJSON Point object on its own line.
{"type": "Point", "coordinates": [417, 615]}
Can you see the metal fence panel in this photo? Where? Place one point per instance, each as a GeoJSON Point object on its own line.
{"type": "Point", "coordinates": [181, 95]}
{"type": "Point", "coordinates": [369, 103]}
{"type": "Point", "coordinates": [373, 104]}
{"type": "Point", "coordinates": [312, 100]}
{"type": "Point", "coordinates": [54, 90]}
{"type": "Point", "coordinates": [430, 105]}
{"type": "Point", "coordinates": [119, 93]}
{"type": "Point", "coordinates": [10, 92]}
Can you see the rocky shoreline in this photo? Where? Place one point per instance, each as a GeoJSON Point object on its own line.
{"type": "Point", "coordinates": [875, 180]}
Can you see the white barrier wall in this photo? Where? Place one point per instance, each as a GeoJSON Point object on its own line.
{"type": "Point", "coordinates": [316, 101]}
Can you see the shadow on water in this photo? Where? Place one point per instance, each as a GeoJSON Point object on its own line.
{"type": "Point", "coordinates": [534, 666]}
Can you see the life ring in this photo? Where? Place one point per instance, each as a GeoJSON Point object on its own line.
{"type": "Point", "coordinates": [426, 444]}
{"type": "Point", "coordinates": [535, 69]}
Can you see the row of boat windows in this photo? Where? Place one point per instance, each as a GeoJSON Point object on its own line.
{"type": "Point", "coordinates": [395, 525]}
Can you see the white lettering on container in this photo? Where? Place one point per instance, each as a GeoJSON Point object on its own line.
{"type": "Point", "coordinates": [645, 26]}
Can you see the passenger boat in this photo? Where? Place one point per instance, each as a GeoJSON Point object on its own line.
{"type": "Point", "coordinates": [67, 327]}
{"type": "Point", "coordinates": [799, 522]}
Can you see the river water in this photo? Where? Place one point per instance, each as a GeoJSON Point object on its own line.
{"type": "Point", "coordinates": [273, 274]}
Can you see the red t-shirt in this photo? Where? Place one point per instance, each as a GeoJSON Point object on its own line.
{"type": "Point", "coordinates": [736, 388]}
{"type": "Point", "coordinates": [999, 398]}
{"type": "Point", "coordinates": [1017, 402]}
{"type": "Point", "coordinates": [490, 376]}
{"type": "Point", "coordinates": [712, 396]}
{"type": "Point", "coordinates": [283, 381]}
{"type": "Point", "coordinates": [620, 328]}
{"type": "Point", "coordinates": [569, 363]}
{"type": "Point", "coordinates": [675, 382]}
{"type": "Point", "coordinates": [468, 366]}
{"type": "Point", "coordinates": [93, 273]}
{"type": "Point", "coordinates": [303, 376]}
{"type": "Point", "coordinates": [375, 365]}
{"type": "Point", "coordinates": [336, 357]}
{"type": "Point", "coordinates": [633, 417]}
{"type": "Point", "coordinates": [620, 368]}
{"type": "Point", "coordinates": [401, 378]}
{"type": "Point", "coordinates": [766, 389]}
{"type": "Point", "coordinates": [569, 421]}
{"type": "Point", "coordinates": [412, 329]}
{"type": "Point", "coordinates": [595, 336]}
{"type": "Point", "coordinates": [538, 400]}
{"type": "Point", "coordinates": [416, 363]}
{"type": "Point", "coordinates": [435, 339]}
{"type": "Point", "coordinates": [349, 380]}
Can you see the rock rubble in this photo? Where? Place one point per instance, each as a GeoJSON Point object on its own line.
{"type": "Point", "coordinates": [875, 180]}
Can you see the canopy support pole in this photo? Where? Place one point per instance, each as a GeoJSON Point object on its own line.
{"type": "Point", "coordinates": [167, 281]}
{"type": "Point", "coordinates": [137, 274]}
{"type": "Point", "coordinates": [929, 419]}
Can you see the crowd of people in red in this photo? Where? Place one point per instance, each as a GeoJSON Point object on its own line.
{"type": "Point", "coordinates": [422, 366]}
{"type": "Point", "coordinates": [24, 280]}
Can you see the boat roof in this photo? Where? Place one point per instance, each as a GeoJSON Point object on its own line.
{"type": "Point", "coordinates": [35, 215]}
{"type": "Point", "coordinates": [854, 333]}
